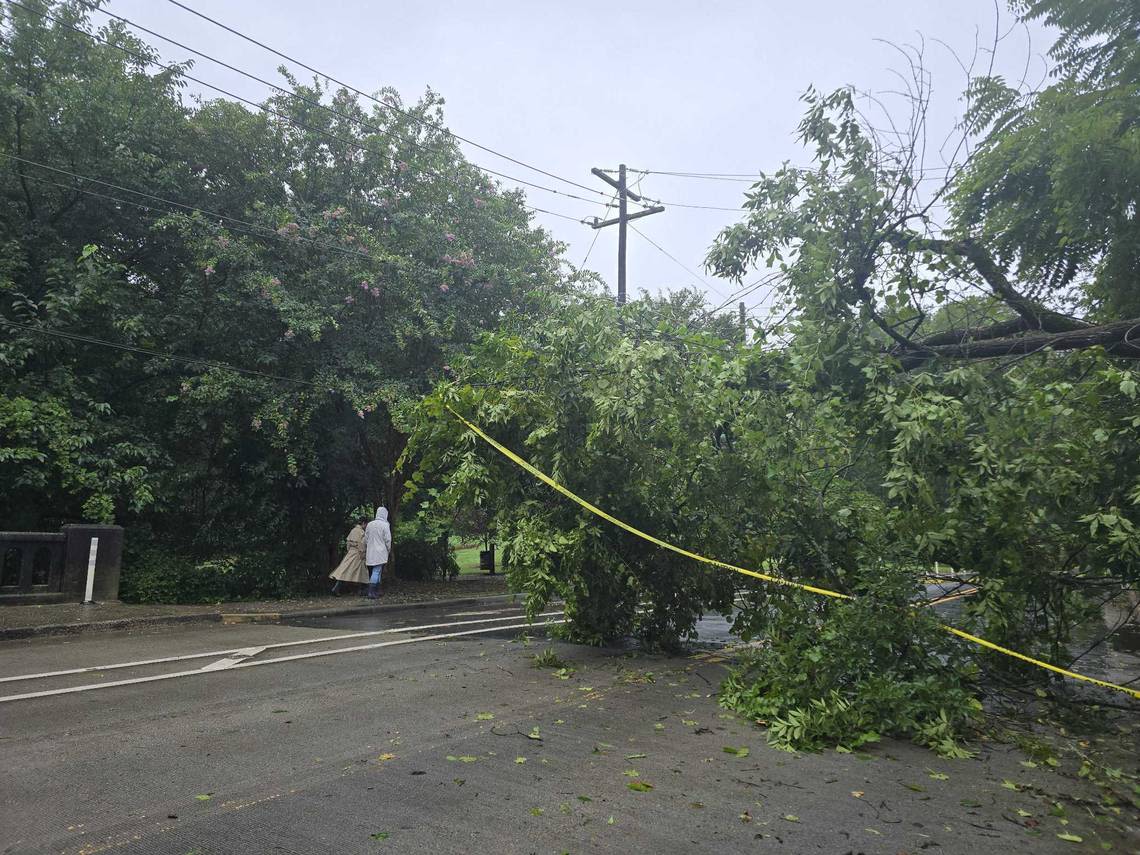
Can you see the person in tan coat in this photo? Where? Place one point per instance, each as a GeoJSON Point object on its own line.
{"type": "Point", "coordinates": [352, 567]}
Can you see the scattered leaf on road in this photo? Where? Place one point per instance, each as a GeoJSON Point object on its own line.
{"type": "Point", "coordinates": [639, 786]}
{"type": "Point", "coordinates": [534, 734]}
{"type": "Point", "coordinates": [1072, 838]}
{"type": "Point", "coordinates": [738, 752]}
{"type": "Point", "coordinates": [857, 794]}
{"type": "Point", "coordinates": [915, 788]}
{"type": "Point", "coordinates": [631, 773]}
{"type": "Point", "coordinates": [688, 722]}
{"type": "Point", "coordinates": [520, 760]}
{"type": "Point", "coordinates": [379, 835]}
{"type": "Point", "coordinates": [537, 811]}
{"type": "Point", "coordinates": [584, 799]}
{"type": "Point", "coordinates": [204, 797]}
{"type": "Point", "coordinates": [746, 817]}
{"type": "Point", "coordinates": [484, 716]}
{"type": "Point", "coordinates": [384, 758]}
{"type": "Point", "coordinates": [938, 776]}
{"type": "Point", "coordinates": [1010, 785]}
{"type": "Point", "coordinates": [659, 726]}
{"type": "Point", "coordinates": [791, 817]}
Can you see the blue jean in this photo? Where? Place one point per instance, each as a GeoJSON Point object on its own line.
{"type": "Point", "coordinates": [374, 572]}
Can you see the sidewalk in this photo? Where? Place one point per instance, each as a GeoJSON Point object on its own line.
{"type": "Point", "coordinates": [64, 618]}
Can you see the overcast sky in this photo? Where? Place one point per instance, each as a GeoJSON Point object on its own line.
{"type": "Point", "coordinates": [709, 87]}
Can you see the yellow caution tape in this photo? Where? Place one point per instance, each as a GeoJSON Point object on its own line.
{"type": "Point", "coordinates": [778, 580]}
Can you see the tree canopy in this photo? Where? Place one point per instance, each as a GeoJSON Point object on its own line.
{"type": "Point", "coordinates": [336, 252]}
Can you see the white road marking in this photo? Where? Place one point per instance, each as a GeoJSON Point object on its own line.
{"type": "Point", "coordinates": [215, 653]}
{"type": "Point", "coordinates": [231, 661]}
{"type": "Point", "coordinates": [475, 614]}
{"type": "Point", "coordinates": [91, 687]}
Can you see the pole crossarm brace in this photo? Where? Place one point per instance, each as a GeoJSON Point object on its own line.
{"type": "Point", "coordinates": [597, 224]}
{"type": "Point", "coordinates": [617, 185]}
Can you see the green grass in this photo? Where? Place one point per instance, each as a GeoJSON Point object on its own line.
{"type": "Point", "coordinates": [468, 558]}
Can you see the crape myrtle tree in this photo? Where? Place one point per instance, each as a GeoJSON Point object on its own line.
{"type": "Point", "coordinates": [951, 391]}
{"type": "Point", "coordinates": [337, 251]}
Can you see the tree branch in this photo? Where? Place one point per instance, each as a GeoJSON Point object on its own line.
{"type": "Point", "coordinates": [1120, 338]}
{"type": "Point", "coordinates": [1036, 316]}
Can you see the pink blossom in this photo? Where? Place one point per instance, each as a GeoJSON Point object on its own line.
{"type": "Point", "coordinates": [256, 423]}
{"type": "Point", "coordinates": [403, 166]}
{"type": "Point", "coordinates": [275, 281]}
{"type": "Point", "coordinates": [444, 288]}
{"type": "Point", "coordinates": [363, 285]}
{"type": "Point", "coordinates": [209, 270]}
{"type": "Point", "coordinates": [350, 299]}
{"type": "Point", "coordinates": [449, 237]}
{"type": "Point", "coordinates": [290, 335]}
{"type": "Point", "coordinates": [289, 230]}
{"type": "Point", "coordinates": [185, 387]}
{"type": "Point", "coordinates": [375, 292]}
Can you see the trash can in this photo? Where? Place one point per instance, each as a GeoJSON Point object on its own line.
{"type": "Point", "coordinates": [487, 560]}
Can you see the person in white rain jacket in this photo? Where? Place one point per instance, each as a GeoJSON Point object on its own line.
{"type": "Point", "coordinates": [377, 545]}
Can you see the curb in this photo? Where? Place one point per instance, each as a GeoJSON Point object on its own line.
{"type": "Point", "coordinates": [21, 632]}
{"type": "Point", "coordinates": [17, 632]}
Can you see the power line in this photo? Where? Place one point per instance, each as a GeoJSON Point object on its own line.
{"type": "Point", "coordinates": [382, 104]}
{"type": "Point", "coordinates": [325, 107]}
{"type": "Point", "coordinates": [597, 233]}
{"type": "Point", "coordinates": [264, 231]}
{"type": "Point", "coordinates": [276, 113]}
{"type": "Point", "coordinates": [699, 279]}
{"type": "Point", "coordinates": [157, 354]}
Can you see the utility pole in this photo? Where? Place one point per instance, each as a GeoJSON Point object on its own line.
{"type": "Point", "coordinates": [743, 324]}
{"type": "Point", "coordinates": [623, 217]}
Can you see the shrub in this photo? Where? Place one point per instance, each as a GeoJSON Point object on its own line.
{"type": "Point", "coordinates": [423, 550]}
{"type": "Point", "coordinates": [156, 575]}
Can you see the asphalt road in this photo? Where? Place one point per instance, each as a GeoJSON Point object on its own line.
{"type": "Point", "coordinates": [456, 744]}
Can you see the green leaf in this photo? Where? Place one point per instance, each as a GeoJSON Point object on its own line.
{"type": "Point", "coordinates": [737, 752]}
{"type": "Point", "coordinates": [484, 716]}
{"type": "Point", "coordinates": [1010, 785]}
{"type": "Point", "coordinates": [380, 835]}
{"type": "Point", "coordinates": [520, 760]}
{"type": "Point", "coordinates": [640, 786]}
{"type": "Point", "coordinates": [631, 773]}
{"type": "Point", "coordinates": [1071, 838]}
{"type": "Point", "coordinates": [791, 817]}
{"type": "Point", "coordinates": [938, 776]}
{"type": "Point", "coordinates": [204, 797]}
